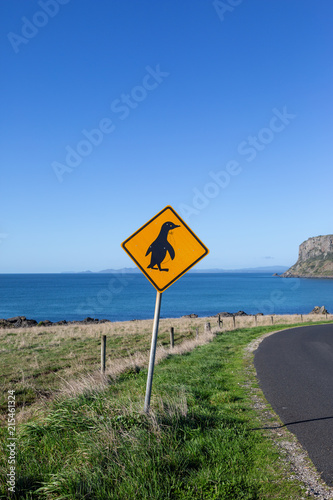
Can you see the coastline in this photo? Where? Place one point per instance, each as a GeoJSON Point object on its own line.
{"type": "Point", "coordinates": [229, 320]}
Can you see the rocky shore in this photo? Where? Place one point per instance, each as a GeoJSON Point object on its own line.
{"type": "Point", "coordinates": [23, 322]}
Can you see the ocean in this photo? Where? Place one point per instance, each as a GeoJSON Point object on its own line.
{"type": "Point", "coordinates": [123, 297]}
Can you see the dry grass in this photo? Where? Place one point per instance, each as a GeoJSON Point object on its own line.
{"type": "Point", "coordinates": [47, 337]}
{"type": "Point", "coordinates": [137, 361]}
{"type": "Point", "coordinates": [39, 363]}
{"type": "Point", "coordinates": [274, 319]}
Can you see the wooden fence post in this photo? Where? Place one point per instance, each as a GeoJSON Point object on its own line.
{"type": "Point", "coordinates": [234, 320]}
{"type": "Point", "coordinates": [172, 337]}
{"type": "Point", "coordinates": [207, 327]}
{"type": "Point", "coordinates": [272, 318]}
{"type": "Point", "coordinates": [103, 353]}
{"type": "Point", "coordinates": [256, 320]}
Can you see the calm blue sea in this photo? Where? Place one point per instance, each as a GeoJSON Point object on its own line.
{"type": "Point", "coordinates": [121, 297]}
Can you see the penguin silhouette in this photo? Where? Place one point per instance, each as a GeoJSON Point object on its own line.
{"type": "Point", "coordinates": [160, 247]}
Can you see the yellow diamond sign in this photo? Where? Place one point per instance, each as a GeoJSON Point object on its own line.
{"type": "Point", "coordinates": [164, 248]}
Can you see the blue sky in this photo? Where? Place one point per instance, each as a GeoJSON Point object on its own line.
{"type": "Point", "coordinates": [112, 110]}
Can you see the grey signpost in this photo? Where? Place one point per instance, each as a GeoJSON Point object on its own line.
{"type": "Point", "coordinates": [153, 351]}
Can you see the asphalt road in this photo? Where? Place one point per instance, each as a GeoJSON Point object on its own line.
{"type": "Point", "coordinates": [295, 372]}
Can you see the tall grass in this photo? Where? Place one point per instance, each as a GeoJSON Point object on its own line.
{"type": "Point", "coordinates": [39, 362]}
{"type": "Point", "coordinates": [197, 442]}
{"type": "Point", "coordinates": [35, 362]}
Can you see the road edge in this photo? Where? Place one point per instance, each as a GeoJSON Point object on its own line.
{"type": "Point", "coordinates": [292, 453]}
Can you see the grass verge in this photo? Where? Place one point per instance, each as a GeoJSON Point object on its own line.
{"type": "Point", "coordinates": [35, 361]}
{"type": "Point", "coordinates": [198, 441]}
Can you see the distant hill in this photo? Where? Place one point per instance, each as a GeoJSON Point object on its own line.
{"type": "Point", "coordinates": [123, 270]}
{"type": "Point", "coordinates": [315, 259]}
{"type": "Point", "coordinates": [266, 269]}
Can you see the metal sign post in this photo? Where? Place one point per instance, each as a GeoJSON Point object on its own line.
{"type": "Point", "coordinates": [153, 351]}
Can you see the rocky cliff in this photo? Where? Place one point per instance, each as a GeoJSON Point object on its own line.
{"type": "Point", "coordinates": [315, 259]}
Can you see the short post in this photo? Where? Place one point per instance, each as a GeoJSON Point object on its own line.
{"type": "Point", "coordinates": [219, 320]}
{"type": "Point", "coordinates": [197, 332]}
{"type": "Point", "coordinates": [103, 353]}
{"type": "Point", "coordinates": [172, 337]}
{"type": "Point", "coordinates": [153, 351]}
{"type": "Point", "coordinates": [256, 320]}
{"type": "Point", "coordinates": [234, 320]}
{"type": "Point", "coordinates": [207, 327]}
{"type": "Point", "coordinates": [302, 318]}
{"type": "Point", "coordinates": [272, 319]}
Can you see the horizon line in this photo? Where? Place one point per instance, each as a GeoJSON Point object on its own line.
{"type": "Point", "coordinates": [134, 269]}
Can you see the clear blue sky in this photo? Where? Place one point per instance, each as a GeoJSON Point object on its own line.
{"type": "Point", "coordinates": [222, 110]}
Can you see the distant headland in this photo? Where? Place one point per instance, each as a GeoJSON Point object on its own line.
{"type": "Point", "coordinates": [315, 259]}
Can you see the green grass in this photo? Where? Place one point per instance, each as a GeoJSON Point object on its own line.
{"type": "Point", "coordinates": [198, 442]}
{"type": "Point", "coordinates": [34, 362]}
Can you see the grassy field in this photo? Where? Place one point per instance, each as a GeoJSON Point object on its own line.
{"type": "Point", "coordinates": [83, 435]}
{"type": "Point", "coordinates": [39, 362]}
